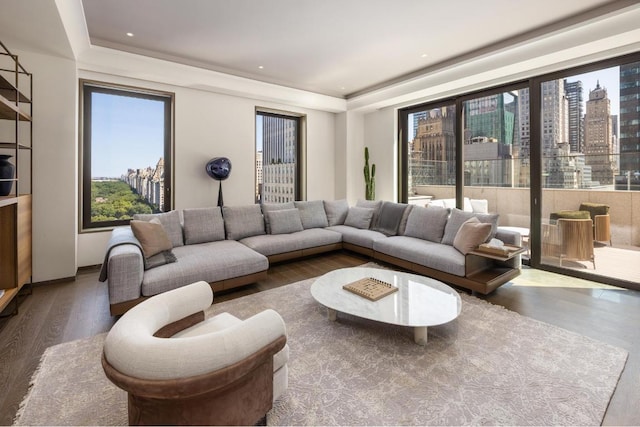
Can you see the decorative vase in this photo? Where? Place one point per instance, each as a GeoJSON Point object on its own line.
{"type": "Point", "coordinates": [7, 169]}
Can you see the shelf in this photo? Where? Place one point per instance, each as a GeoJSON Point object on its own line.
{"type": "Point", "coordinates": [8, 91]}
{"type": "Point", "coordinates": [6, 298]}
{"type": "Point", "coordinates": [13, 146]}
{"type": "Point", "coordinates": [9, 110]}
{"type": "Point", "coordinates": [8, 200]}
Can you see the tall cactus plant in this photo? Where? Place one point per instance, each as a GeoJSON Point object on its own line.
{"type": "Point", "coordinates": [369, 177]}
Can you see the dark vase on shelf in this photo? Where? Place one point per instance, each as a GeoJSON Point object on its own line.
{"type": "Point", "coordinates": [7, 170]}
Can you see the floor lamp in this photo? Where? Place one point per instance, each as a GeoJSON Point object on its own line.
{"type": "Point", "coordinates": [219, 168]}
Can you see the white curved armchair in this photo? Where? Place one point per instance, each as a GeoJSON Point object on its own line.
{"type": "Point", "coordinates": [179, 368]}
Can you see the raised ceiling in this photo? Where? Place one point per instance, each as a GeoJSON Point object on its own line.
{"type": "Point", "coordinates": [333, 47]}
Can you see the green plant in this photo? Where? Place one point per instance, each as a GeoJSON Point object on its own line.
{"type": "Point", "coordinates": [369, 177]}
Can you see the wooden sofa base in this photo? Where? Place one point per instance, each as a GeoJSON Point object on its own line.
{"type": "Point", "coordinates": [122, 307]}
{"type": "Point", "coordinates": [482, 281]}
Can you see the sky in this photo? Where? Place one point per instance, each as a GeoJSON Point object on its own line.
{"type": "Point", "coordinates": [127, 133]}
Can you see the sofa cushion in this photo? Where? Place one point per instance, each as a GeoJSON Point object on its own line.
{"type": "Point", "coordinates": [312, 214]}
{"type": "Point", "coordinates": [371, 204]}
{"type": "Point", "coordinates": [356, 236]}
{"type": "Point", "coordinates": [359, 217]}
{"type": "Point", "coordinates": [203, 225]}
{"type": "Point", "coordinates": [171, 223]}
{"type": "Point", "coordinates": [243, 221]}
{"type": "Point", "coordinates": [423, 252]}
{"type": "Point", "coordinates": [271, 244]}
{"type": "Point", "coordinates": [211, 262]}
{"type": "Point", "coordinates": [284, 221]}
{"type": "Point", "coordinates": [403, 222]}
{"type": "Point", "coordinates": [458, 217]}
{"type": "Point", "coordinates": [427, 223]}
{"type": "Point", "coordinates": [389, 218]}
{"type": "Point", "coordinates": [471, 234]}
{"type": "Point", "coordinates": [268, 207]}
{"type": "Point", "coordinates": [336, 211]}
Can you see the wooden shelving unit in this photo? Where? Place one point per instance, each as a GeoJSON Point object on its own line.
{"type": "Point", "coordinates": [16, 138]}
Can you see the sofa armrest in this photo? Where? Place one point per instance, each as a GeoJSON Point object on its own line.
{"type": "Point", "coordinates": [126, 268]}
{"type": "Point", "coordinates": [509, 237]}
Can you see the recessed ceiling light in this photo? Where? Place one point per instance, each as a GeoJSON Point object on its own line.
{"type": "Point", "coordinates": [261, 67]}
{"type": "Point", "coordinates": [130, 34]}
{"type": "Point", "coordinates": [424, 55]}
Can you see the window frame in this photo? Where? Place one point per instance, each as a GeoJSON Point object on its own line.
{"type": "Point", "coordinates": [86, 89]}
{"type": "Point", "coordinates": [301, 167]}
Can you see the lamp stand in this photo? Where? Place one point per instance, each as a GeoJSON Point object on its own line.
{"type": "Point", "coordinates": [220, 194]}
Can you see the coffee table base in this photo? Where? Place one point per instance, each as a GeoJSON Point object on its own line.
{"type": "Point", "coordinates": [419, 332]}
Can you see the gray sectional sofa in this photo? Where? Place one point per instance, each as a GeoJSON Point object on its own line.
{"type": "Point", "coordinates": [234, 245]}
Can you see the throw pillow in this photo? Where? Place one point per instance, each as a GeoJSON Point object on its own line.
{"type": "Point", "coordinates": [337, 211]}
{"type": "Point", "coordinates": [389, 218]}
{"type": "Point", "coordinates": [203, 225]}
{"type": "Point", "coordinates": [171, 223]}
{"type": "Point", "coordinates": [243, 221]}
{"type": "Point", "coordinates": [151, 236]}
{"type": "Point", "coordinates": [155, 243]}
{"type": "Point", "coordinates": [268, 207]}
{"type": "Point", "coordinates": [403, 222]}
{"type": "Point", "coordinates": [285, 221]}
{"type": "Point", "coordinates": [371, 204]}
{"type": "Point", "coordinates": [359, 217]}
{"type": "Point", "coordinates": [427, 223]}
{"type": "Point", "coordinates": [458, 217]}
{"type": "Point", "coordinates": [471, 234]}
{"type": "Point", "coordinates": [312, 214]}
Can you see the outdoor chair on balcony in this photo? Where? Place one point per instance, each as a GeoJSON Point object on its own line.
{"type": "Point", "coordinates": [569, 239]}
{"type": "Point", "coordinates": [599, 214]}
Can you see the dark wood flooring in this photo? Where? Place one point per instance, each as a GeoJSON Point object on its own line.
{"type": "Point", "coordinates": [62, 312]}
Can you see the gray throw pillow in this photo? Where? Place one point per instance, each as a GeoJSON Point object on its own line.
{"type": "Point", "coordinates": [203, 225]}
{"type": "Point", "coordinates": [285, 221]}
{"type": "Point", "coordinates": [336, 211]}
{"type": "Point", "coordinates": [371, 204]}
{"type": "Point", "coordinates": [427, 223]}
{"type": "Point", "coordinates": [171, 223]}
{"type": "Point", "coordinates": [312, 214]}
{"type": "Point", "coordinates": [243, 221]}
{"type": "Point", "coordinates": [403, 222]}
{"type": "Point", "coordinates": [359, 217]}
{"type": "Point", "coordinates": [458, 217]}
{"type": "Point", "coordinates": [389, 218]}
{"type": "Point", "coordinates": [268, 207]}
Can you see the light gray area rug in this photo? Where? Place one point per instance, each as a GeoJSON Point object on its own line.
{"type": "Point", "coordinates": [490, 366]}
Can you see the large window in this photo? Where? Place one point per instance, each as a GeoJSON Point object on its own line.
{"type": "Point", "coordinates": [126, 153]}
{"type": "Point", "coordinates": [278, 157]}
{"type": "Point", "coordinates": [544, 154]}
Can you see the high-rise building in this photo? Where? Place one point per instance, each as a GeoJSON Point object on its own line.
{"type": "Point", "coordinates": [432, 155]}
{"type": "Point", "coordinates": [258, 176]}
{"type": "Point", "coordinates": [488, 140]}
{"type": "Point", "coordinates": [598, 147]}
{"type": "Point", "coordinates": [279, 171]}
{"type": "Point", "coordinates": [573, 91]}
{"type": "Point", "coordinates": [629, 136]}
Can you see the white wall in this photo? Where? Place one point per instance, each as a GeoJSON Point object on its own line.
{"type": "Point", "coordinates": [55, 184]}
{"type": "Point", "coordinates": [381, 138]}
{"type": "Point", "coordinates": [208, 125]}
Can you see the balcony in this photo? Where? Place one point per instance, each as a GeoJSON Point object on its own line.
{"type": "Point", "coordinates": [620, 260]}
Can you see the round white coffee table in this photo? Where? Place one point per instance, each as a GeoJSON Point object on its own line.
{"type": "Point", "coordinates": [420, 302]}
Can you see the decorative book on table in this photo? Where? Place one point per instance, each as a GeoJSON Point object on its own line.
{"type": "Point", "coordinates": [370, 288]}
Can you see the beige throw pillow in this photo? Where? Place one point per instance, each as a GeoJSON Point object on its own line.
{"type": "Point", "coordinates": [152, 236]}
{"type": "Point", "coordinates": [471, 233]}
